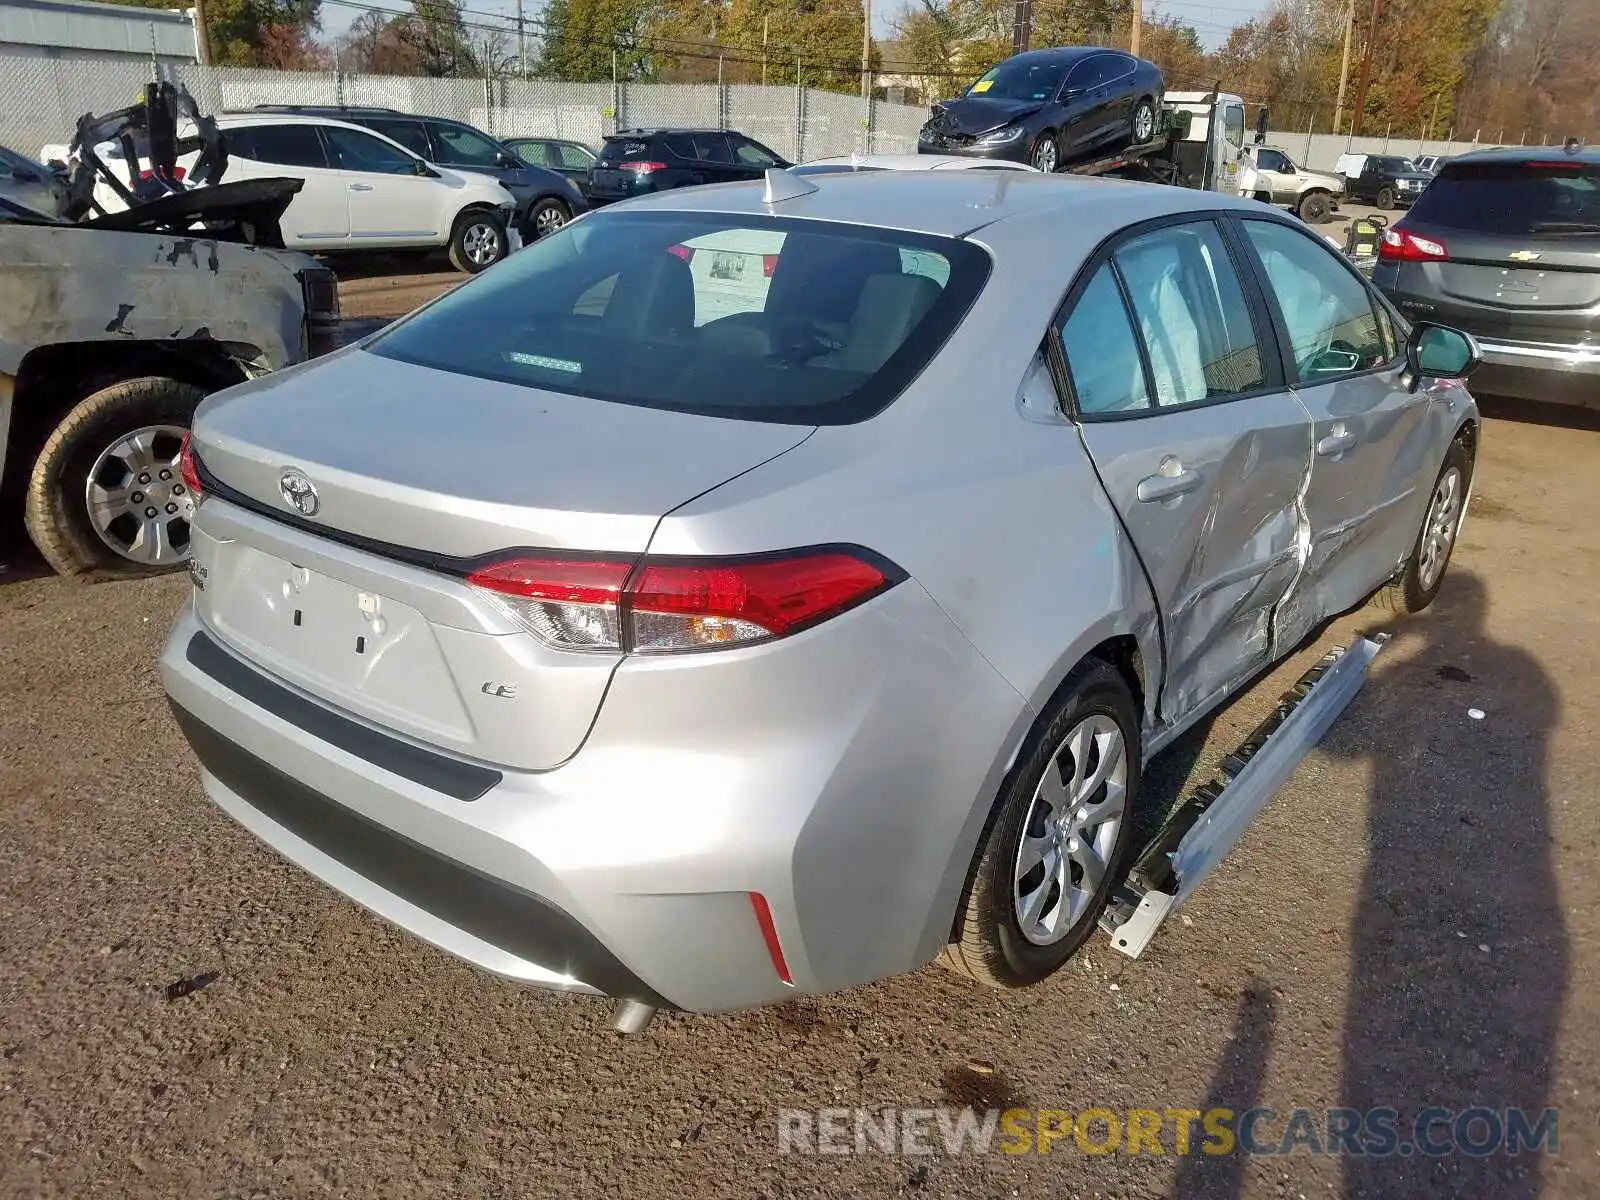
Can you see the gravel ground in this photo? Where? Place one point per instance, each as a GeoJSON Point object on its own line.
{"type": "Point", "coordinates": [1410, 923]}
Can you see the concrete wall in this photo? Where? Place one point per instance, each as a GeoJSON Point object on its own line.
{"type": "Point", "coordinates": [78, 25]}
{"type": "Point", "coordinates": [1320, 151]}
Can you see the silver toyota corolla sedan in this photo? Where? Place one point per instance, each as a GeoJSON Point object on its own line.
{"type": "Point", "coordinates": [763, 589]}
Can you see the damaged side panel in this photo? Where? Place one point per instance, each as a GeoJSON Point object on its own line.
{"type": "Point", "coordinates": [1212, 499]}
{"type": "Point", "coordinates": [67, 284]}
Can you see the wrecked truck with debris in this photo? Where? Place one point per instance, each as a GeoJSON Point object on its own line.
{"type": "Point", "coordinates": [112, 330]}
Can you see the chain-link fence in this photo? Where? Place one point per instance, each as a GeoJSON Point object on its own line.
{"type": "Point", "coordinates": [42, 95]}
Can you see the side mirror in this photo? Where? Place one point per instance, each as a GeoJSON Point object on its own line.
{"type": "Point", "coordinates": [1261, 125]}
{"type": "Point", "coordinates": [1439, 352]}
{"type": "Point", "coordinates": [425, 170]}
{"type": "Point", "coordinates": [511, 162]}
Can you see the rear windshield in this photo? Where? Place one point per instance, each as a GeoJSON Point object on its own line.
{"type": "Point", "coordinates": [753, 317]}
{"type": "Point", "coordinates": [1513, 199]}
{"type": "Point", "coordinates": [621, 149]}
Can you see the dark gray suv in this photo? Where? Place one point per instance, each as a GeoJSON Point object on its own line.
{"type": "Point", "coordinates": [1505, 244]}
{"type": "Point", "coordinates": [545, 200]}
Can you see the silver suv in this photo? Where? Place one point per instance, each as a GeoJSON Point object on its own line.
{"type": "Point", "coordinates": [1270, 175]}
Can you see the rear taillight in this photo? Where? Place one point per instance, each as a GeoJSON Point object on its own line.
{"type": "Point", "coordinates": [177, 174]}
{"type": "Point", "coordinates": [769, 264]}
{"type": "Point", "coordinates": [188, 469]}
{"type": "Point", "coordinates": [682, 252]}
{"type": "Point", "coordinates": [1401, 245]}
{"type": "Point", "coordinates": [666, 605]}
{"type": "Point", "coordinates": [643, 168]}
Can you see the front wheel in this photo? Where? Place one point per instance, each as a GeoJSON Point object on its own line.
{"type": "Point", "coordinates": [1059, 838]}
{"type": "Point", "coordinates": [477, 242]}
{"type": "Point", "coordinates": [548, 216]}
{"type": "Point", "coordinates": [106, 495]}
{"type": "Point", "coordinates": [1046, 153]}
{"type": "Point", "coordinates": [1315, 207]}
{"type": "Point", "coordinates": [1419, 583]}
{"type": "Point", "coordinates": [1386, 199]}
{"type": "Point", "coordinates": [1144, 123]}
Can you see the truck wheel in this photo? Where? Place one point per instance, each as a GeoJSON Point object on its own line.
{"type": "Point", "coordinates": [1046, 153]}
{"type": "Point", "coordinates": [106, 495]}
{"type": "Point", "coordinates": [477, 242]}
{"type": "Point", "coordinates": [1144, 123]}
{"type": "Point", "coordinates": [547, 217]}
{"type": "Point", "coordinates": [1315, 207]}
{"type": "Point", "coordinates": [1386, 198]}
{"type": "Point", "coordinates": [1059, 837]}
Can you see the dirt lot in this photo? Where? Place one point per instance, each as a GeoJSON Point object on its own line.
{"type": "Point", "coordinates": [1413, 922]}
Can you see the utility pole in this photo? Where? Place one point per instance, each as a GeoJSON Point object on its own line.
{"type": "Point", "coordinates": [1433, 120]}
{"type": "Point", "coordinates": [766, 25]}
{"type": "Point", "coordinates": [1138, 28]}
{"type": "Point", "coordinates": [202, 39]}
{"type": "Point", "coordinates": [1358, 109]}
{"type": "Point", "coordinates": [522, 42]}
{"type": "Point", "coordinates": [866, 50]}
{"type": "Point", "coordinates": [1022, 29]}
{"type": "Point", "coordinates": [1344, 64]}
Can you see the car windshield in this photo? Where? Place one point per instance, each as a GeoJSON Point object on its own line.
{"type": "Point", "coordinates": [1513, 199]}
{"type": "Point", "coordinates": [1019, 81]}
{"type": "Point", "coordinates": [752, 317]}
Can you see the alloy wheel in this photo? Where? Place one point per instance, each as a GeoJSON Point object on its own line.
{"type": "Point", "coordinates": [137, 501]}
{"type": "Point", "coordinates": [1071, 831]}
{"type": "Point", "coordinates": [548, 220]}
{"type": "Point", "coordinates": [1144, 124]}
{"type": "Point", "coordinates": [1439, 528]}
{"type": "Point", "coordinates": [481, 244]}
{"type": "Point", "coordinates": [1044, 154]}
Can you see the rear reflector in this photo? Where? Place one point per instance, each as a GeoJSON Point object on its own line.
{"type": "Point", "coordinates": [1401, 245]}
{"type": "Point", "coordinates": [187, 468]}
{"type": "Point", "coordinates": [665, 605]}
{"type": "Point", "coordinates": [769, 933]}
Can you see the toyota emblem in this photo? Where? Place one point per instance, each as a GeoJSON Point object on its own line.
{"type": "Point", "coordinates": [299, 492]}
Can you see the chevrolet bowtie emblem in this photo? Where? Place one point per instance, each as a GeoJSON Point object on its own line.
{"type": "Point", "coordinates": [1525, 256]}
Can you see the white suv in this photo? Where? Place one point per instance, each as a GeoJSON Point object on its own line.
{"type": "Point", "coordinates": [365, 192]}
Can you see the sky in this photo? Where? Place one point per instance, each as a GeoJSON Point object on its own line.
{"type": "Point", "coordinates": [1211, 21]}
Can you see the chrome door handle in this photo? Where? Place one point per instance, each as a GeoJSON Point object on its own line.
{"type": "Point", "coordinates": [360, 187]}
{"type": "Point", "coordinates": [1165, 487]}
{"type": "Point", "coordinates": [1336, 443]}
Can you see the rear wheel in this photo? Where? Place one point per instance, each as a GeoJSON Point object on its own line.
{"type": "Point", "coordinates": [1046, 153]}
{"type": "Point", "coordinates": [548, 216]}
{"type": "Point", "coordinates": [106, 494]}
{"type": "Point", "coordinates": [1059, 838]}
{"type": "Point", "coordinates": [1386, 198]}
{"type": "Point", "coordinates": [477, 242]}
{"type": "Point", "coordinates": [1144, 122]}
{"type": "Point", "coordinates": [1315, 207]}
{"type": "Point", "coordinates": [1424, 572]}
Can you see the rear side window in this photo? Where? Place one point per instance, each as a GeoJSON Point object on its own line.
{"type": "Point", "coordinates": [409, 134]}
{"type": "Point", "coordinates": [712, 148]}
{"type": "Point", "coordinates": [751, 317]}
{"type": "Point", "coordinates": [574, 158]}
{"type": "Point", "coordinates": [1191, 315]}
{"type": "Point", "coordinates": [282, 145]}
{"type": "Point", "coordinates": [1333, 327]}
{"type": "Point", "coordinates": [1513, 199]}
{"type": "Point", "coordinates": [1102, 355]}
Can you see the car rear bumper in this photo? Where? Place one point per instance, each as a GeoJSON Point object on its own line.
{"type": "Point", "coordinates": [1539, 371]}
{"type": "Point", "coordinates": [839, 783]}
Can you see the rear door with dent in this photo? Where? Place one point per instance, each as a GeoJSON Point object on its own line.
{"type": "Point", "coordinates": [1174, 380]}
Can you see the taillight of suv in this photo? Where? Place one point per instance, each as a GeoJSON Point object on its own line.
{"type": "Point", "coordinates": [663, 605]}
{"type": "Point", "coordinates": [1401, 245]}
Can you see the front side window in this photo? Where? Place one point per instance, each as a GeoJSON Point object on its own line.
{"type": "Point", "coordinates": [712, 148]}
{"type": "Point", "coordinates": [409, 134]}
{"type": "Point", "coordinates": [1102, 354]}
{"type": "Point", "coordinates": [465, 147]}
{"type": "Point", "coordinates": [535, 154]}
{"type": "Point", "coordinates": [1271, 160]}
{"type": "Point", "coordinates": [1233, 124]}
{"type": "Point", "coordinates": [352, 150]}
{"type": "Point", "coordinates": [574, 157]}
{"type": "Point", "coordinates": [1191, 314]}
{"type": "Point", "coordinates": [748, 317]}
{"type": "Point", "coordinates": [1333, 329]}
{"type": "Point", "coordinates": [752, 154]}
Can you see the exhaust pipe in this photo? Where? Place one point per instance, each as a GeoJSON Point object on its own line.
{"type": "Point", "coordinates": [631, 1016]}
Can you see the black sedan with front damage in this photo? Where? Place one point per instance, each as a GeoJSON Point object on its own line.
{"type": "Point", "coordinates": [1049, 108]}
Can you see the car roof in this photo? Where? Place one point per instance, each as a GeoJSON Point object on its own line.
{"type": "Point", "coordinates": [245, 119]}
{"type": "Point", "coordinates": [1053, 54]}
{"type": "Point", "coordinates": [653, 130]}
{"type": "Point", "coordinates": [1586, 155]}
{"type": "Point", "coordinates": [947, 203]}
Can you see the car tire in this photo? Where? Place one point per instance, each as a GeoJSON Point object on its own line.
{"type": "Point", "coordinates": [1315, 207]}
{"type": "Point", "coordinates": [1142, 129]}
{"type": "Point", "coordinates": [83, 450]}
{"type": "Point", "coordinates": [547, 216]}
{"type": "Point", "coordinates": [1385, 199]}
{"type": "Point", "coordinates": [1419, 582]}
{"type": "Point", "coordinates": [477, 241]}
{"type": "Point", "coordinates": [993, 945]}
{"type": "Point", "coordinates": [1046, 149]}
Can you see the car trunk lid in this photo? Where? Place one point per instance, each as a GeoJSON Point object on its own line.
{"type": "Point", "coordinates": [406, 478]}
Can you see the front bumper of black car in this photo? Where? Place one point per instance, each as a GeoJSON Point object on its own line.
{"type": "Point", "coordinates": [1015, 150]}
